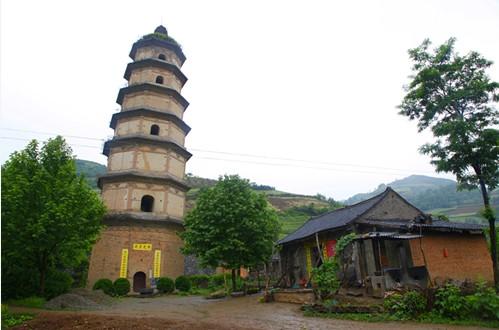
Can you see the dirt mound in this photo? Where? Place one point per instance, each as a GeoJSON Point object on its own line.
{"type": "Point", "coordinates": [80, 299]}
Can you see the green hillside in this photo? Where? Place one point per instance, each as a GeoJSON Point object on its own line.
{"type": "Point", "coordinates": [91, 171]}
{"type": "Point", "coordinates": [436, 196]}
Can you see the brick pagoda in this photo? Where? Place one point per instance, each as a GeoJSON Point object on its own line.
{"type": "Point", "coordinates": [144, 188]}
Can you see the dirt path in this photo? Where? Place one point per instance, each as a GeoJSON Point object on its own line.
{"type": "Point", "coordinates": [173, 312]}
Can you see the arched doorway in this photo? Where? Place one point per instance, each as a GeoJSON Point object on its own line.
{"type": "Point", "coordinates": [139, 281]}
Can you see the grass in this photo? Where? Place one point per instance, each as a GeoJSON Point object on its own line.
{"type": "Point", "coordinates": [12, 319]}
{"type": "Point", "coordinates": [31, 302]}
{"type": "Point", "coordinates": [385, 317]}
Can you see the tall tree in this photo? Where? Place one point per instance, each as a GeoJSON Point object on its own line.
{"type": "Point", "coordinates": [454, 97]}
{"type": "Point", "coordinates": [231, 226]}
{"type": "Point", "coordinates": [50, 216]}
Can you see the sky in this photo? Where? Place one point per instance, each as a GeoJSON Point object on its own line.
{"type": "Point", "coordinates": [300, 95]}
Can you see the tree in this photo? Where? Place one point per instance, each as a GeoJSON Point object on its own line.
{"type": "Point", "coordinates": [453, 96]}
{"type": "Point", "coordinates": [231, 226]}
{"type": "Point", "coordinates": [50, 216]}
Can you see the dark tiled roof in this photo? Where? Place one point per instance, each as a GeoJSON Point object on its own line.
{"type": "Point", "coordinates": [333, 220]}
{"type": "Point", "coordinates": [436, 225]}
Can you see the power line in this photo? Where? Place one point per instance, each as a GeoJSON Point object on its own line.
{"type": "Point", "coordinates": [245, 155]}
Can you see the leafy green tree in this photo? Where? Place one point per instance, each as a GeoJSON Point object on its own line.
{"type": "Point", "coordinates": [50, 216]}
{"type": "Point", "coordinates": [231, 226]}
{"type": "Point", "coordinates": [453, 96]}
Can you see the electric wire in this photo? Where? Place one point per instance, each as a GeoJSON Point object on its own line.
{"type": "Point", "coordinates": [242, 155]}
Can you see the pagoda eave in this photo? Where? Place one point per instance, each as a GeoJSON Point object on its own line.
{"type": "Point", "coordinates": [152, 62]}
{"type": "Point", "coordinates": [146, 42]}
{"type": "Point", "coordinates": [142, 218]}
{"type": "Point", "coordinates": [142, 176]}
{"type": "Point", "coordinates": [149, 87]}
{"type": "Point", "coordinates": [147, 140]}
{"type": "Point", "coordinates": [152, 113]}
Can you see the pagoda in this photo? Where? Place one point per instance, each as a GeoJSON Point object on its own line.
{"type": "Point", "coordinates": [144, 188]}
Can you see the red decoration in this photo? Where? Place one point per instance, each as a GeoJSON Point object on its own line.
{"type": "Point", "coordinates": [331, 248]}
{"type": "Point", "coordinates": [446, 253]}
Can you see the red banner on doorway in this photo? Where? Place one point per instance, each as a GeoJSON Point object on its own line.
{"type": "Point", "coordinates": [331, 248]}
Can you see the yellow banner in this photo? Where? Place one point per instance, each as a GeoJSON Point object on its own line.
{"type": "Point", "coordinates": [157, 263]}
{"type": "Point", "coordinates": [124, 263]}
{"type": "Point", "coordinates": [142, 246]}
{"type": "Point", "coordinates": [308, 253]}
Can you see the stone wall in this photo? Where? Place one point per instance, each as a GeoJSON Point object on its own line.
{"type": "Point", "coordinates": [127, 196]}
{"type": "Point", "coordinates": [152, 100]}
{"type": "Point", "coordinates": [392, 207]}
{"type": "Point", "coordinates": [146, 158]}
{"type": "Point", "coordinates": [142, 125]}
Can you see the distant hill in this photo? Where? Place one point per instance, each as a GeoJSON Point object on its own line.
{"type": "Point", "coordinates": [436, 196]}
{"type": "Point", "coordinates": [91, 171]}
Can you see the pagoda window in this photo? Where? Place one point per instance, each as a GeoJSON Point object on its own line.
{"type": "Point", "coordinates": [147, 203]}
{"type": "Point", "coordinates": [162, 57]}
{"type": "Point", "coordinates": [154, 130]}
{"type": "Point", "coordinates": [159, 79]}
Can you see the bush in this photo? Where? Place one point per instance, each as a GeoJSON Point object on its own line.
{"type": "Point", "coordinates": [31, 302]}
{"type": "Point", "coordinates": [449, 302]}
{"type": "Point", "coordinates": [57, 283]}
{"type": "Point", "coordinates": [165, 285]}
{"type": "Point", "coordinates": [217, 280]}
{"type": "Point", "coordinates": [121, 286]}
{"type": "Point", "coordinates": [407, 306]}
{"type": "Point", "coordinates": [105, 285]}
{"type": "Point", "coordinates": [325, 277]}
{"type": "Point", "coordinates": [483, 304]}
{"type": "Point", "coordinates": [182, 283]}
{"type": "Point", "coordinates": [199, 281]}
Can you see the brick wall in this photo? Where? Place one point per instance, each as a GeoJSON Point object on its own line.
{"type": "Point", "coordinates": [467, 256]}
{"type": "Point", "coordinates": [106, 254]}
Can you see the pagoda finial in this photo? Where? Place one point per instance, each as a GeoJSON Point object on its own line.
{"type": "Point", "coordinates": [161, 29]}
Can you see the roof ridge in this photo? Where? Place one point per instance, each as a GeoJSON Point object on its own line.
{"type": "Point", "coordinates": [353, 205]}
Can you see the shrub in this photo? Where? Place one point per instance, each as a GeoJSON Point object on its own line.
{"type": "Point", "coordinates": [199, 281]}
{"type": "Point", "coordinates": [105, 285]}
{"type": "Point", "coordinates": [484, 303]}
{"type": "Point", "coordinates": [450, 302]}
{"type": "Point", "coordinates": [182, 283]}
{"type": "Point", "coordinates": [217, 280]}
{"type": "Point", "coordinates": [406, 306]}
{"type": "Point", "coordinates": [121, 286]}
{"type": "Point", "coordinates": [57, 283]}
{"type": "Point", "coordinates": [165, 285]}
{"type": "Point", "coordinates": [326, 279]}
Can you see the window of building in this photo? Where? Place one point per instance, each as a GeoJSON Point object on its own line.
{"type": "Point", "coordinates": [154, 130]}
{"type": "Point", "coordinates": [159, 80]}
{"type": "Point", "coordinates": [162, 57]}
{"type": "Point", "coordinates": [147, 203]}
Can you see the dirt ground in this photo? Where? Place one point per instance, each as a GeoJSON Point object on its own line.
{"type": "Point", "coordinates": [173, 312]}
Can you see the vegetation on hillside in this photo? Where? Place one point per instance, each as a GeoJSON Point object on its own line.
{"type": "Point", "coordinates": [436, 196]}
{"type": "Point", "coordinates": [90, 170]}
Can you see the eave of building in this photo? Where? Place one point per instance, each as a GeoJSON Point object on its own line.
{"type": "Point", "coordinates": [150, 113]}
{"type": "Point", "coordinates": [141, 218]}
{"type": "Point", "coordinates": [142, 176]}
{"type": "Point", "coordinates": [148, 87]}
{"type": "Point", "coordinates": [160, 43]}
{"type": "Point", "coordinates": [434, 226]}
{"type": "Point", "coordinates": [156, 63]}
{"type": "Point", "coordinates": [119, 141]}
